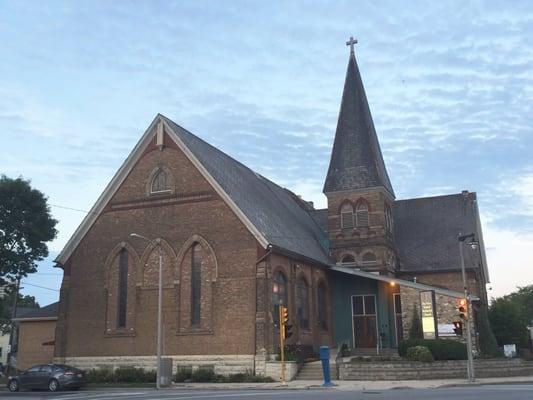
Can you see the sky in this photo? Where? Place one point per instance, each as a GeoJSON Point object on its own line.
{"type": "Point", "coordinates": [450, 87]}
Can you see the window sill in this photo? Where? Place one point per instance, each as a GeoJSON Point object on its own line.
{"type": "Point", "coordinates": [120, 333]}
{"type": "Point", "coordinates": [199, 332]}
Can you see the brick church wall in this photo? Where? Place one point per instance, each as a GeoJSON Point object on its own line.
{"type": "Point", "coordinates": [313, 275]}
{"type": "Point", "coordinates": [192, 208]}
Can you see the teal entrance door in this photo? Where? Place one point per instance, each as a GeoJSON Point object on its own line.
{"type": "Point", "coordinates": [364, 317]}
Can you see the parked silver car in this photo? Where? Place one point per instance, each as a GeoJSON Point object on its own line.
{"type": "Point", "coordinates": [50, 377]}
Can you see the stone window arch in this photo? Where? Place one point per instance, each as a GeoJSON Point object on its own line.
{"type": "Point", "coordinates": [347, 259]}
{"type": "Point", "coordinates": [361, 214]}
{"type": "Point", "coordinates": [148, 272]}
{"type": "Point", "coordinates": [347, 217]}
{"type": "Point", "coordinates": [302, 303]}
{"type": "Point", "coordinates": [369, 259]}
{"type": "Point", "coordinates": [196, 277]}
{"type": "Point", "coordinates": [322, 305]}
{"type": "Point", "coordinates": [120, 289]}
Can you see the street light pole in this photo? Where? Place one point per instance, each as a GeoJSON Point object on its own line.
{"type": "Point", "coordinates": [470, 363]}
{"type": "Point", "coordinates": [159, 305]}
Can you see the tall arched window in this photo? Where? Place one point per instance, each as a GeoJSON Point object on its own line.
{"type": "Point", "coordinates": [321, 297]}
{"type": "Point", "coordinates": [122, 296]}
{"type": "Point", "coordinates": [279, 289]}
{"type": "Point", "coordinates": [369, 259]}
{"type": "Point", "coordinates": [347, 216]}
{"type": "Point", "coordinates": [302, 303]}
{"type": "Point", "coordinates": [388, 218]}
{"type": "Point", "coordinates": [160, 182]}
{"type": "Point", "coordinates": [362, 214]}
{"type": "Point", "coordinates": [196, 283]}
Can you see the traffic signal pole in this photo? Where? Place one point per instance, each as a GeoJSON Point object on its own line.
{"type": "Point", "coordinates": [470, 363]}
{"type": "Point", "coordinates": [282, 342]}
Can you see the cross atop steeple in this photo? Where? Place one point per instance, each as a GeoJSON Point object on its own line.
{"type": "Point", "coordinates": [350, 43]}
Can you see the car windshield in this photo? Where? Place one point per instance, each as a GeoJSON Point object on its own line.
{"type": "Point", "coordinates": [35, 368]}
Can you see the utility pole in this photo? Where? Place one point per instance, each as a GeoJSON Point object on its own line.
{"type": "Point", "coordinates": [470, 363]}
{"type": "Point", "coordinates": [12, 330]}
{"type": "Point", "coordinates": [157, 242]}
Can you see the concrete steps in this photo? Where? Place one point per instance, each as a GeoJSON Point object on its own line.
{"type": "Point", "coordinates": [312, 371]}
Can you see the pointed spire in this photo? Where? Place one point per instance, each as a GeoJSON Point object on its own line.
{"type": "Point", "coordinates": [356, 160]}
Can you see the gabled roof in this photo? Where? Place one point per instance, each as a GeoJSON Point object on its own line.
{"type": "Point", "coordinates": [356, 160]}
{"type": "Point", "coordinates": [48, 312]}
{"type": "Point", "coordinates": [271, 213]}
{"type": "Point", "coordinates": [426, 230]}
{"type": "Point", "coordinates": [275, 212]}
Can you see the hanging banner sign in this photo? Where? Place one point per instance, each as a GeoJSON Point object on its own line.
{"type": "Point", "coordinates": [429, 320]}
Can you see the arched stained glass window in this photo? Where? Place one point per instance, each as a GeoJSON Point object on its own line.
{"type": "Point", "coordinates": [279, 289]}
{"type": "Point", "coordinates": [122, 306]}
{"type": "Point", "coordinates": [302, 303]}
{"type": "Point", "coordinates": [321, 295]}
{"type": "Point", "coordinates": [160, 182]}
{"type": "Point", "coordinates": [196, 283]}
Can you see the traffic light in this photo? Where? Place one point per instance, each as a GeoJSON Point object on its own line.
{"type": "Point", "coordinates": [462, 307]}
{"type": "Point", "coordinates": [287, 331]}
{"type": "Point", "coordinates": [458, 328]}
{"type": "Point", "coordinates": [284, 319]}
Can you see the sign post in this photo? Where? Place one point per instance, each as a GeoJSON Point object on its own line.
{"type": "Point", "coordinates": [429, 322]}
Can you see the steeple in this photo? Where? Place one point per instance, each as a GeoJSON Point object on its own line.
{"type": "Point", "coordinates": [356, 160]}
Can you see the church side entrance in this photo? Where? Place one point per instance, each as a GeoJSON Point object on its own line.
{"type": "Point", "coordinates": [364, 319]}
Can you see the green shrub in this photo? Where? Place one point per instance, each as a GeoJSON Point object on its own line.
{"type": "Point", "coordinates": [100, 375]}
{"type": "Point", "coordinates": [419, 353]}
{"type": "Point", "coordinates": [183, 374]}
{"type": "Point", "coordinates": [441, 349]}
{"type": "Point", "coordinates": [203, 375]}
{"type": "Point", "coordinates": [121, 375]}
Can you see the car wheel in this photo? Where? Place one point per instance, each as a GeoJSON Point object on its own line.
{"type": "Point", "coordinates": [13, 386]}
{"type": "Point", "coordinates": [53, 385]}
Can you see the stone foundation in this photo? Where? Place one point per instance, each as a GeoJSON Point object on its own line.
{"type": "Point", "coordinates": [222, 364]}
{"type": "Point", "coordinates": [273, 369]}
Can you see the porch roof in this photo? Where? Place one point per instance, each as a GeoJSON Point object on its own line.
{"type": "Point", "coordinates": [401, 282]}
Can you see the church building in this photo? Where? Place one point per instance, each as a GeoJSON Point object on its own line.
{"type": "Point", "coordinates": [234, 245]}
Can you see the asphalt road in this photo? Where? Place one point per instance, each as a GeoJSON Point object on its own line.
{"type": "Point", "coordinates": [489, 392]}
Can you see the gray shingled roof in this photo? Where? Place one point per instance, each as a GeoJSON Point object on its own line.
{"type": "Point", "coordinates": [276, 212]}
{"type": "Point", "coordinates": [426, 232]}
{"type": "Point", "coordinates": [356, 160]}
{"type": "Point", "coordinates": [48, 311]}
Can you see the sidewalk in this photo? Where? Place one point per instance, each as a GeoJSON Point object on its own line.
{"type": "Point", "coordinates": [357, 385]}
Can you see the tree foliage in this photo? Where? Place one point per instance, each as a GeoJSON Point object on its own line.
{"type": "Point", "coordinates": [487, 341]}
{"type": "Point", "coordinates": [6, 306]}
{"type": "Point", "coordinates": [509, 316]}
{"type": "Point", "coordinates": [25, 226]}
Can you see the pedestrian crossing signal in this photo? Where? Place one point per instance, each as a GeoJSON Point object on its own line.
{"type": "Point", "coordinates": [458, 328]}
